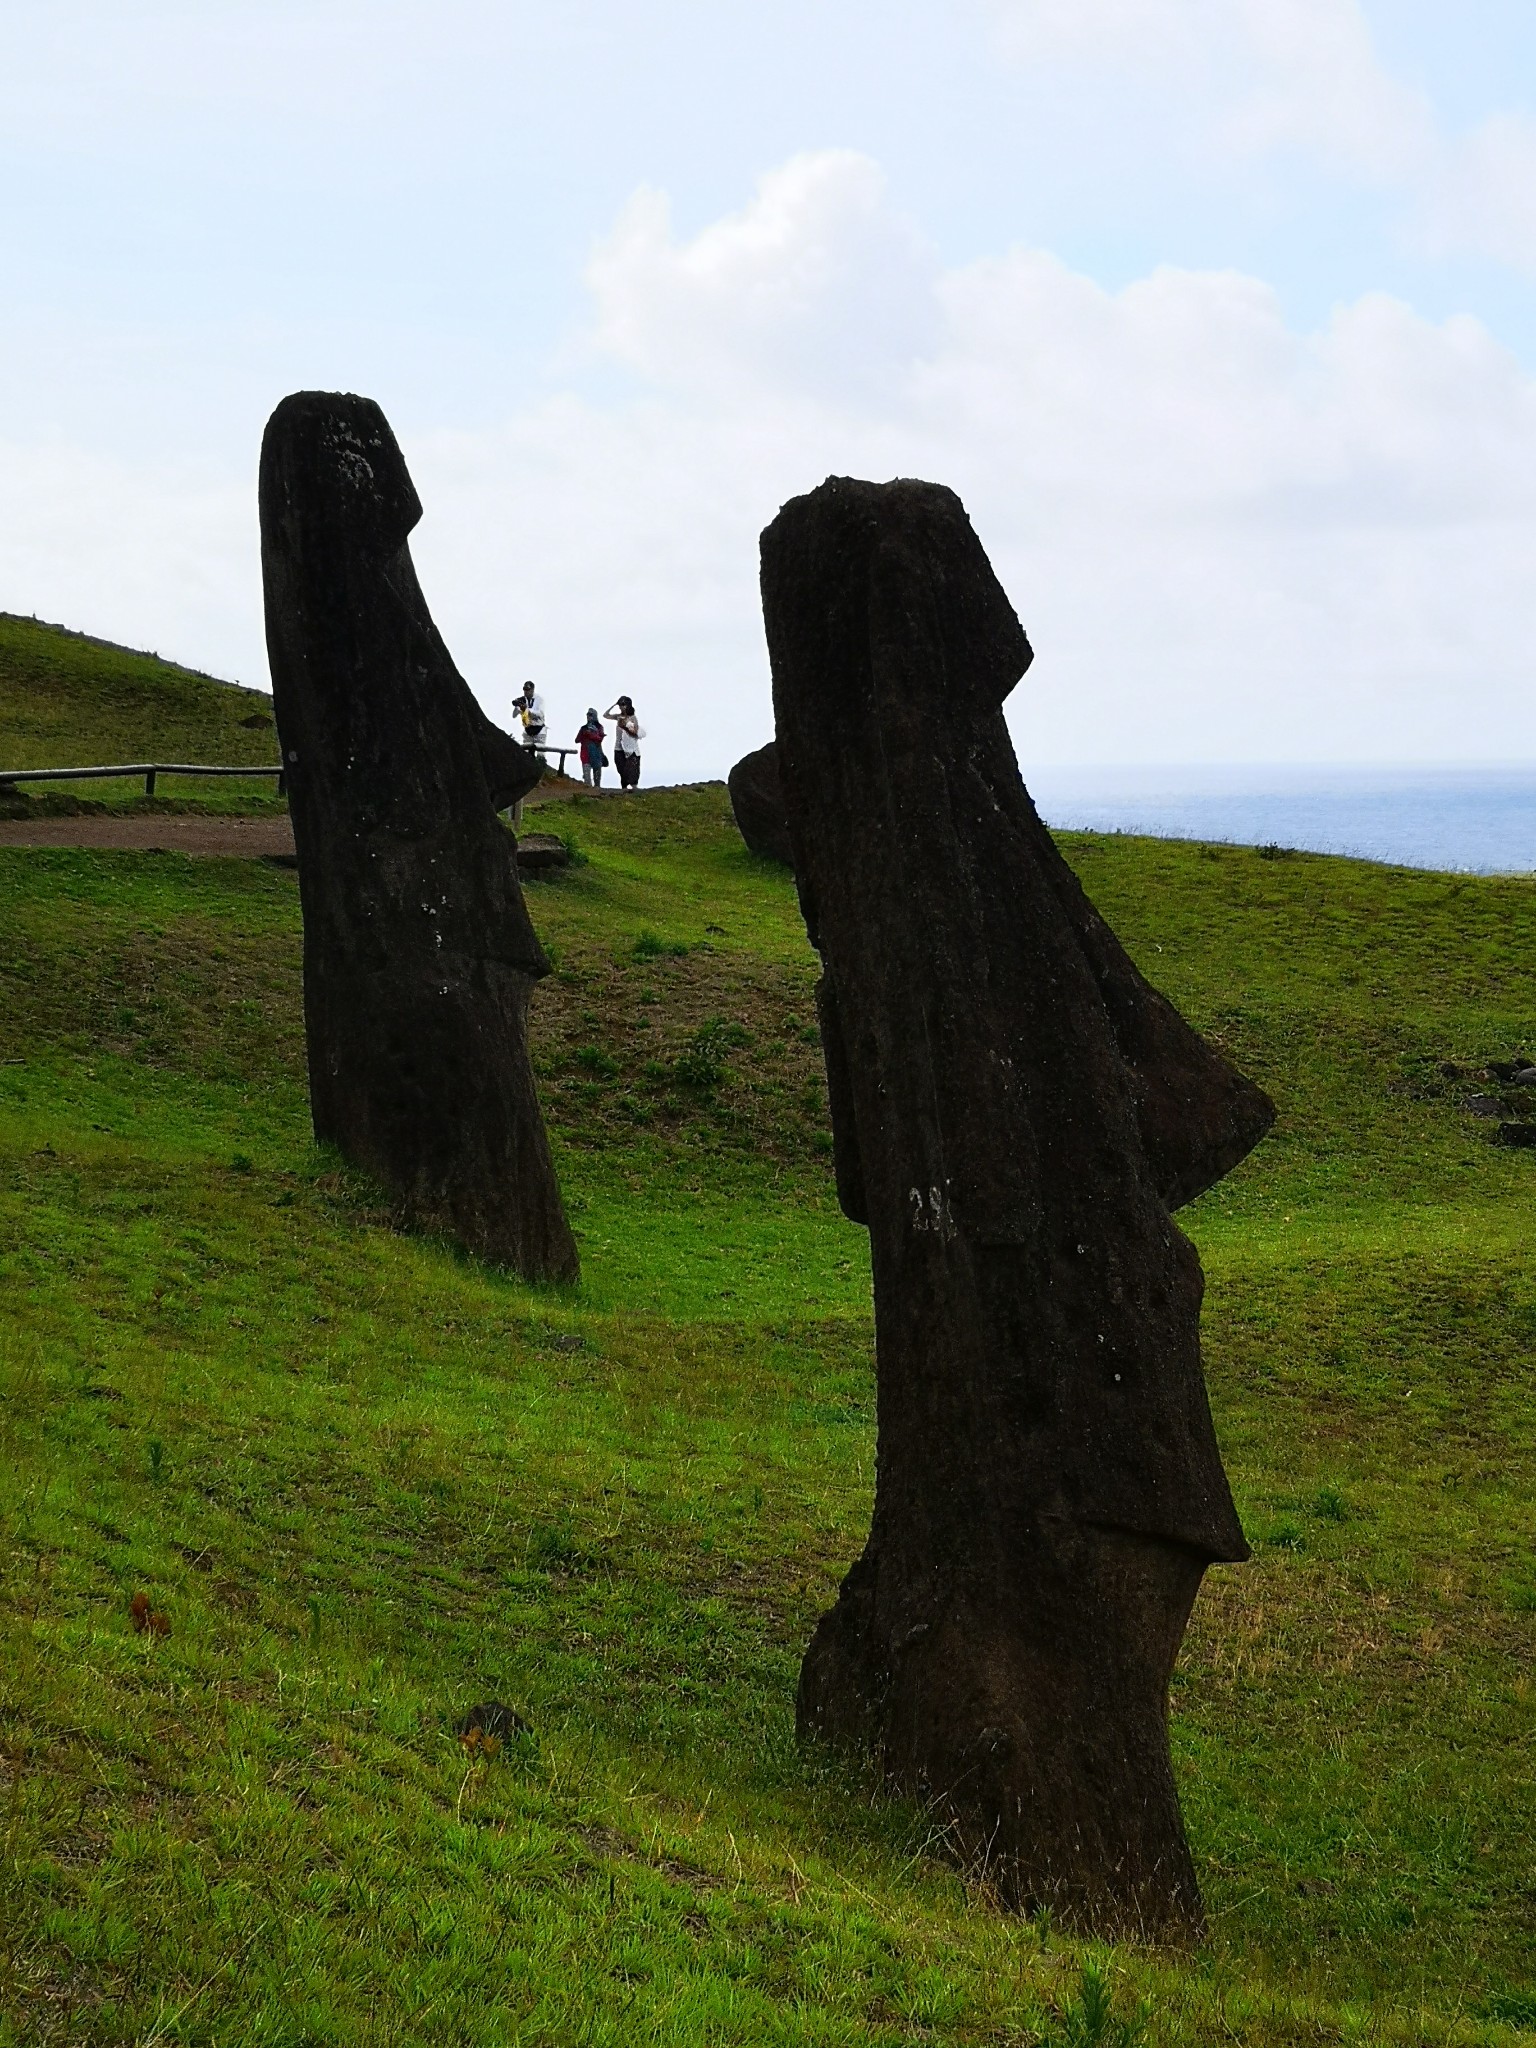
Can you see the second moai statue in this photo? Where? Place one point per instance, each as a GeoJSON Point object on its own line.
{"type": "Point", "coordinates": [1015, 1113]}
{"type": "Point", "coordinates": [419, 955]}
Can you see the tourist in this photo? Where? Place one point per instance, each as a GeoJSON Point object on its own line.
{"type": "Point", "coordinates": [628, 732]}
{"type": "Point", "coordinates": [530, 708]}
{"type": "Point", "coordinates": [593, 759]}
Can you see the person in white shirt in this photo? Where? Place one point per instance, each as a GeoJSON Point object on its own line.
{"type": "Point", "coordinates": [628, 732]}
{"type": "Point", "coordinates": [530, 707]}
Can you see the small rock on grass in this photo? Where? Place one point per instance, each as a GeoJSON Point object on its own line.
{"type": "Point", "coordinates": [487, 1726]}
{"type": "Point", "coordinates": [148, 1620]}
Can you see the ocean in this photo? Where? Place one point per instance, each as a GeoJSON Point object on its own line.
{"type": "Point", "coordinates": [1478, 820]}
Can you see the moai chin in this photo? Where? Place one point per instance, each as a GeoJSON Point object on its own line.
{"type": "Point", "coordinates": [1015, 1113]}
{"type": "Point", "coordinates": [419, 956]}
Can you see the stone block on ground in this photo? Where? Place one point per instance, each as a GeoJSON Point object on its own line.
{"type": "Point", "coordinates": [540, 853]}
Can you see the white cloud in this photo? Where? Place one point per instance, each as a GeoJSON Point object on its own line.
{"type": "Point", "coordinates": [1250, 78]}
{"type": "Point", "coordinates": [1228, 539]}
{"type": "Point", "coordinates": [1483, 196]}
{"type": "Point", "coordinates": [815, 281]}
{"type": "Point", "coordinates": [162, 558]}
{"type": "Point", "coordinates": [1273, 74]}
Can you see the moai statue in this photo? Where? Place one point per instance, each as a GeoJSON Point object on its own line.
{"type": "Point", "coordinates": [1015, 1113]}
{"type": "Point", "coordinates": [419, 956]}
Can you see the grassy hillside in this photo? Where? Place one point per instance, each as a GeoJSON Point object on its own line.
{"type": "Point", "coordinates": [369, 1484]}
{"type": "Point", "coordinates": [67, 700]}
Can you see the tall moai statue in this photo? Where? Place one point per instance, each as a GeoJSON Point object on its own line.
{"type": "Point", "coordinates": [1015, 1113]}
{"type": "Point", "coordinates": [419, 955]}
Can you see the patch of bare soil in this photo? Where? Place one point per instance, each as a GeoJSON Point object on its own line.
{"type": "Point", "coordinates": [253, 837]}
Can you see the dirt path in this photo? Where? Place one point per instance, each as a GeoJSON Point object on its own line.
{"type": "Point", "coordinates": [250, 836]}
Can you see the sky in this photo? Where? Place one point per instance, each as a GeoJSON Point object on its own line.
{"type": "Point", "coordinates": [1220, 315]}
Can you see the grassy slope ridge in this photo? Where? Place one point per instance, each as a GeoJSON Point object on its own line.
{"type": "Point", "coordinates": [69, 701]}
{"type": "Point", "coordinates": [369, 1483]}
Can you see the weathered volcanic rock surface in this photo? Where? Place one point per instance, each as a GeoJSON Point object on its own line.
{"type": "Point", "coordinates": [419, 957]}
{"type": "Point", "coordinates": [1015, 1113]}
{"type": "Point", "coordinates": [757, 802]}
{"type": "Point", "coordinates": [1197, 1115]}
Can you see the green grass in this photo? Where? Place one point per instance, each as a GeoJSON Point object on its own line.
{"type": "Point", "coordinates": [369, 1483]}
{"type": "Point", "coordinates": [67, 701]}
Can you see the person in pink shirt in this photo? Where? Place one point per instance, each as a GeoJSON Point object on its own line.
{"type": "Point", "coordinates": [593, 759]}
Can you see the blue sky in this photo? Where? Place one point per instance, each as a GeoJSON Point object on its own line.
{"type": "Point", "coordinates": [1221, 314]}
